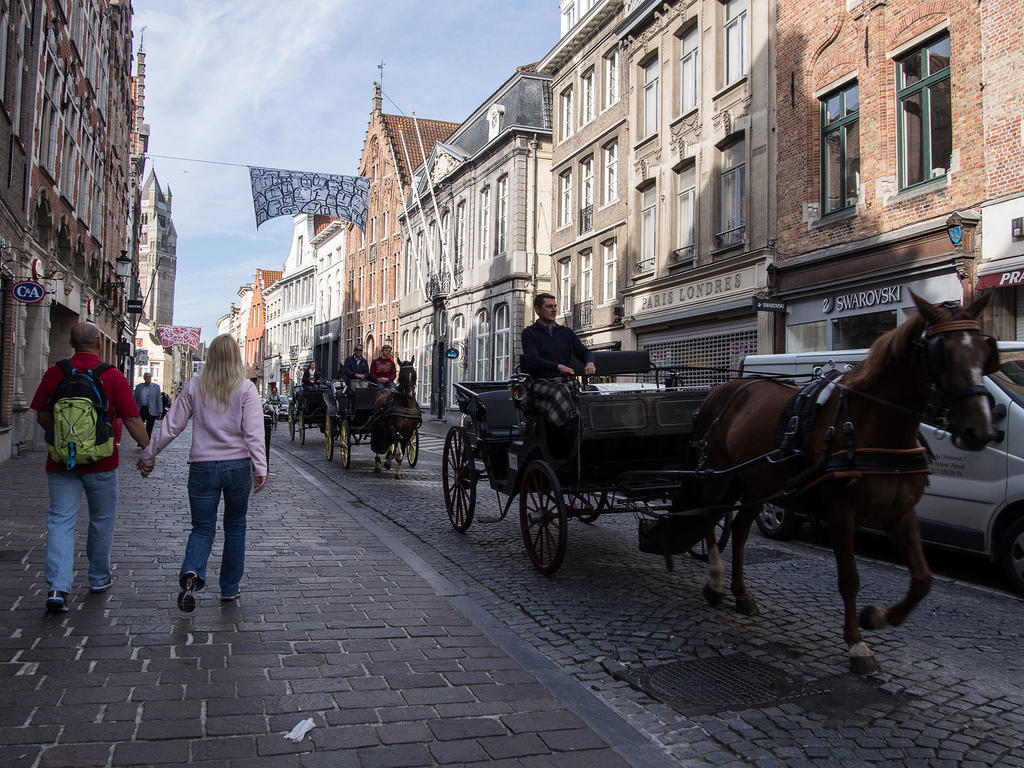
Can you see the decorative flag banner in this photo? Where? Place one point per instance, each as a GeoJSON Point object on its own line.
{"type": "Point", "coordinates": [179, 334]}
{"type": "Point", "coordinates": [277, 192]}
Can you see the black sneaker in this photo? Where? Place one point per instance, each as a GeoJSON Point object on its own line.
{"type": "Point", "coordinates": [56, 601]}
{"type": "Point", "coordinates": [103, 586]}
{"type": "Point", "coordinates": [187, 597]}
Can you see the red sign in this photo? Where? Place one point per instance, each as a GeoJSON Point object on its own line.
{"type": "Point", "coordinates": [1001, 279]}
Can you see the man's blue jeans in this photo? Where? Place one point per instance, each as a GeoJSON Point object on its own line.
{"type": "Point", "coordinates": [207, 481]}
{"type": "Point", "coordinates": [65, 497]}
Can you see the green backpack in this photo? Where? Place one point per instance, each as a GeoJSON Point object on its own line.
{"type": "Point", "coordinates": [81, 431]}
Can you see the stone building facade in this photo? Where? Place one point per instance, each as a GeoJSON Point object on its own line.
{"type": "Point", "coordinates": [329, 236]}
{"type": "Point", "coordinates": [892, 152]}
{"type": "Point", "coordinates": [477, 242]}
{"type": "Point", "coordinates": [700, 179]}
{"type": "Point", "coordinates": [589, 232]}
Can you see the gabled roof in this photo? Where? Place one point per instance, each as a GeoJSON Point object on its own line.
{"type": "Point", "coordinates": [431, 131]}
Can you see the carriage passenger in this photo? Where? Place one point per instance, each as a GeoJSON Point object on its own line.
{"type": "Point", "coordinates": [548, 347]}
{"type": "Point", "coordinates": [355, 366]}
{"type": "Point", "coordinates": [383, 371]}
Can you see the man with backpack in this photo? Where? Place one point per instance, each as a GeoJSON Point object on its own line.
{"type": "Point", "coordinates": [76, 404]}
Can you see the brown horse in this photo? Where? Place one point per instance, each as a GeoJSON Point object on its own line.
{"type": "Point", "coordinates": [396, 419]}
{"type": "Point", "coordinates": [867, 426]}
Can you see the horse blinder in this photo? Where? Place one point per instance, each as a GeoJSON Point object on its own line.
{"type": "Point", "coordinates": [992, 360]}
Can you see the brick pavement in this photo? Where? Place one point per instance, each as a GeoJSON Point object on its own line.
{"type": "Point", "coordinates": [335, 623]}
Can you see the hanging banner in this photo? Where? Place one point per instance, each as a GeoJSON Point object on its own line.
{"type": "Point", "coordinates": [179, 334]}
{"type": "Point", "coordinates": [277, 192]}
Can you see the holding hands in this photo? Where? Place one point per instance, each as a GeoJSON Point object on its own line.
{"type": "Point", "coordinates": [145, 467]}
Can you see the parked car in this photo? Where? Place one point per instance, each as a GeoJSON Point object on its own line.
{"type": "Point", "coordinates": [282, 407]}
{"type": "Point", "coordinates": [974, 501]}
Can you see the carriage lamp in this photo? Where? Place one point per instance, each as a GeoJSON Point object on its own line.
{"type": "Point", "coordinates": [517, 390]}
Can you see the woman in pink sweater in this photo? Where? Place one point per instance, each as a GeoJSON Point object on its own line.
{"type": "Point", "coordinates": [227, 450]}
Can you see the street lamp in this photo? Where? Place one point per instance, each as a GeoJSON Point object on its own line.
{"type": "Point", "coordinates": [125, 268]}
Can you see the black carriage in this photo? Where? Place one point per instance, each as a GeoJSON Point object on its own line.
{"type": "Point", "coordinates": [307, 409]}
{"type": "Point", "coordinates": [350, 420]}
{"type": "Point", "coordinates": [623, 452]}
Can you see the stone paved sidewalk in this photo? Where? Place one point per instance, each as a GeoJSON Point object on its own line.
{"type": "Point", "coordinates": [334, 624]}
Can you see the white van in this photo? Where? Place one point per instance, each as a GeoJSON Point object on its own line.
{"type": "Point", "coordinates": [974, 501]}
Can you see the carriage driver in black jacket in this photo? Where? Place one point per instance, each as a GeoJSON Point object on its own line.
{"type": "Point", "coordinates": [548, 347]}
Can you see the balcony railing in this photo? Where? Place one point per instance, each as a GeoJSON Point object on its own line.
{"type": "Point", "coordinates": [683, 255]}
{"type": "Point", "coordinates": [439, 285]}
{"type": "Point", "coordinates": [583, 315]}
{"type": "Point", "coordinates": [731, 236]}
{"type": "Point", "coordinates": [586, 218]}
{"type": "Point", "coordinates": [645, 265]}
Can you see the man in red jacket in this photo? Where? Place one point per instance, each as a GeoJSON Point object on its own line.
{"type": "Point", "coordinates": [383, 369]}
{"type": "Point", "coordinates": [98, 480]}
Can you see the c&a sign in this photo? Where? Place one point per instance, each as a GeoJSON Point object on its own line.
{"type": "Point", "coordinates": [28, 291]}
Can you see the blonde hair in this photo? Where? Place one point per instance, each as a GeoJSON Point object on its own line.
{"type": "Point", "coordinates": [223, 372]}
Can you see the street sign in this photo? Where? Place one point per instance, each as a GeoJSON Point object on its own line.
{"type": "Point", "coordinates": [28, 291]}
{"type": "Point", "coordinates": [452, 353]}
{"type": "Point", "coordinates": [133, 306]}
{"type": "Point", "coordinates": [769, 305]}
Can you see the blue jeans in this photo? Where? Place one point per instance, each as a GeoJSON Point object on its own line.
{"type": "Point", "coordinates": [207, 480]}
{"type": "Point", "coordinates": [65, 497]}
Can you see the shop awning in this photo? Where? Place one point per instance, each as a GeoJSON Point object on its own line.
{"type": "Point", "coordinates": [1001, 273]}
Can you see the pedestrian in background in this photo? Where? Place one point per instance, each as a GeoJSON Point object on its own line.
{"type": "Point", "coordinates": [148, 401]}
{"type": "Point", "coordinates": [384, 371]}
{"type": "Point", "coordinates": [227, 449]}
{"type": "Point", "coordinates": [98, 479]}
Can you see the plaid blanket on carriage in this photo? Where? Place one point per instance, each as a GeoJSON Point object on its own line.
{"type": "Point", "coordinates": [556, 400]}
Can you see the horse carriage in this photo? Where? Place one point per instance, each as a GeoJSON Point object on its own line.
{"type": "Point", "coordinates": [844, 448]}
{"type": "Point", "coordinates": [307, 410]}
{"type": "Point", "coordinates": [356, 412]}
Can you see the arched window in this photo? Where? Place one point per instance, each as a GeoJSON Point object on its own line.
{"type": "Point", "coordinates": [423, 359]}
{"type": "Point", "coordinates": [502, 349]}
{"type": "Point", "coordinates": [482, 356]}
{"type": "Point", "coordinates": [455, 367]}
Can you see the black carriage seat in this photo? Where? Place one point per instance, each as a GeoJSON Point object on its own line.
{"type": "Point", "coordinates": [497, 419]}
{"type": "Point", "coordinates": [618, 362]}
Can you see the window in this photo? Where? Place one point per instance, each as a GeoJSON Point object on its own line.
{"type": "Point", "coordinates": [566, 114]}
{"type": "Point", "coordinates": [733, 219]}
{"type": "Point", "coordinates": [455, 368]}
{"type": "Point", "coordinates": [502, 214]}
{"type": "Point", "coordinates": [840, 149]}
{"type": "Point", "coordinates": [650, 103]}
{"type": "Point", "coordinates": [587, 98]}
{"type": "Point", "coordinates": [610, 270]}
{"type": "Point", "coordinates": [565, 294]}
{"type": "Point", "coordinates": [565, 198]}
{"type": "Point", "coordinates": [686, 195]}
{"type": "Point", "coordinates": [384, 224]}
{"type": "Point", "coordinates": [611, 172]}
{"type": "Point", "coordinates": [924, 116]}
{"type": "Point", "coordinates": [483, 332]}
{"type": "Point", "coordinates": [485, 223]}
{"type": "Point", "coordinates": [408, 266]}
{"type": "Point", "coordinates": [587, 195]}
{"type": "Point", "coordinates": [433, 241]}
{"type": "Point", "coordinates": [735, 29]}
{"type": "Point", "coordinates": [502, 352]}
{"type": "Point", "coordinates": [689, 71]}
{"type": "Point", "coordinates": [648, 228]}
{"type": "Point", "coordinates": [611, 78]}
{"type": "Point", "coordinates": [446, 238]}
{"type": "Point", "coordinates": [586, 276]}
{"type": "Point", "coordinates": [460, 234]}
{"type": "Point", "coordinates": [568, 17]}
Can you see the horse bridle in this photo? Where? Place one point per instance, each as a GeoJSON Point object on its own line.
{"type": "Point", "coordinates": [933, 344]}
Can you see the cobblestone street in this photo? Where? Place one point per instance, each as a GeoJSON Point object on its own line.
{"type": "Point", "coordinates": [411, 644]}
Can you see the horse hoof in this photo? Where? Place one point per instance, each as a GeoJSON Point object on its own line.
{"type": "Point", "coordinates": [712, 597]}
{"type": "Point", "coordinates": [376, 469]}
{"type": "Point", "coordinates": [747, 607]}
{"type": "Point", "coordinates": [863, 665]}
{"type": "Point", "coordinates": [873, 617]}
{"type": "Point", "coordinates": [387, 465]}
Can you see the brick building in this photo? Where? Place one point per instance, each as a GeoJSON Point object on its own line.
{"type": "Point", "coordinates": [255, 331]}
{"type": "Point", "coordinates": [391, 150]}
{"type": "Point", "coordinates": [891, 150]}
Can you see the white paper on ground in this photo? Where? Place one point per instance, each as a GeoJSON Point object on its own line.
{"type": "Point", "coordinates": [298, 733]}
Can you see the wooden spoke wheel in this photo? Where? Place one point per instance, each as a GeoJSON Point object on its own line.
{"type": "Point", "coordinates": [328, 437]}
{"type": "Point", "coordinates": [412, 451]}
{"type": "Point", "coordinates": [542, 517]}
{"type": "Point", "coordinates": [344, 444]}
{"type": "Point", "coordinates": [458, 479]}
{"type": "Point", "coordinates": [723, 529]}
{"type": "Point", "coordinates": [291, 422]}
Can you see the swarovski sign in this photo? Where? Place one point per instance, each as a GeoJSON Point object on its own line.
{"type": "Point", "coordinates": [877, 297]}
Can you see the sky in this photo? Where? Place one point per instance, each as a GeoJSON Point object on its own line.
{"type": "Point", "coordinates": [289, 85]}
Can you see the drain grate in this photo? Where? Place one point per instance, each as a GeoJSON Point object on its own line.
{"type": "Point", "coordinates": [716, 684]}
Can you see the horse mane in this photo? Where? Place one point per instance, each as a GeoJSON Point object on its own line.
{"type": "Point", "coordinates": [890, 350]}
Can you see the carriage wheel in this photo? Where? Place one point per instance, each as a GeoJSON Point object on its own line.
{"type": "Point", "coordinates": [542, 517]}
{"type": "Point", "coordinates": [586, 505]}
{"type": "Point", "coordinates": [458, 479]}
{"type": "Point", "coordinates": [328, 437]}
{"type": "Point", "coordinates": [412, 451]}
{"type": "Point", "coordinates": [344, 444]}
{"type": "Point", "coordinates": [723, 529]}
{"type": "Point", "coordinates": [291, 423]}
